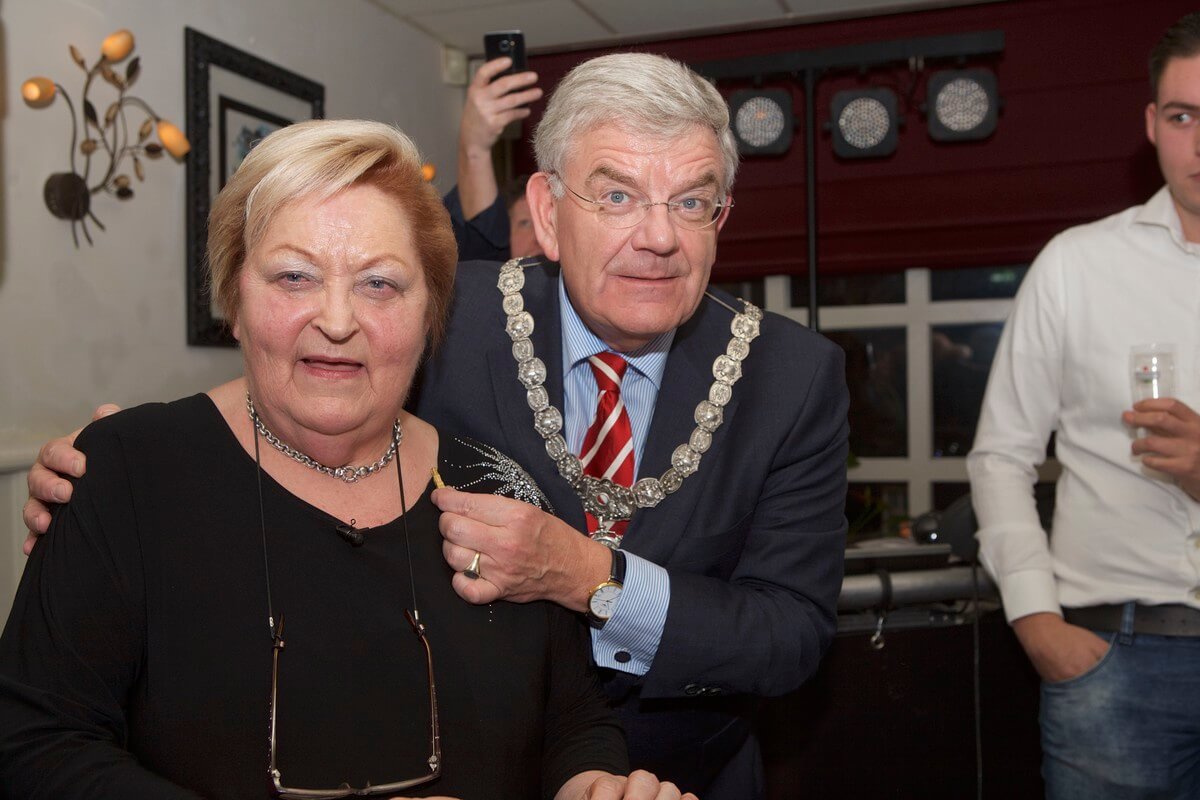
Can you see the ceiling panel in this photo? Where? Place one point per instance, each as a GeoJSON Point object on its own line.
{"type": "Point", "coordinates": [406, 8]}
{"type": "Point", "coordinates": [546, 23]}
{"type": "Point", "coordinates": [633, 18]}
{"type": "Point", "coordinates": [558, 24]}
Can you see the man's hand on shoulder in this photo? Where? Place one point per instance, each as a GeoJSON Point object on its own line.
{"type": "Point", "coordinates": [1172, 440]}
{"type": "Point", "coordinates": [47, 482]}
{"type": "Point", "coordinates": [1059, 650]}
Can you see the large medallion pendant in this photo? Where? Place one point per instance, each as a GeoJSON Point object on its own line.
{"type": "Point", "coordinates": [608, 502]}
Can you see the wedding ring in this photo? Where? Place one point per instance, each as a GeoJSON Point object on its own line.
{"type": "Point", "coordinates": [472, 570]}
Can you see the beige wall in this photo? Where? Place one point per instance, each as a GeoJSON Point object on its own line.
{"type": "Point", "coordinates": [107, 323]}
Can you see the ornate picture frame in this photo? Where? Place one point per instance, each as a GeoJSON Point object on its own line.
{"type": "Point", "coordinates": [233, 98]}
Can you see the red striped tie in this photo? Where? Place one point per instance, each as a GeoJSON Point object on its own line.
{"type": "Point", "coordinates": [608, 445]}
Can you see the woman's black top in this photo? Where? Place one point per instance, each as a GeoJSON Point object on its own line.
{"type": "Point", "coordinates": [137, 659]}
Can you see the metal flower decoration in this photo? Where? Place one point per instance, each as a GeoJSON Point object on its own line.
{"type": "Point", "coordinates": [68, 195]}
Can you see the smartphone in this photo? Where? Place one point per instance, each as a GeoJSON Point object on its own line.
{"type": "Point", "coordinates": [506, 43]}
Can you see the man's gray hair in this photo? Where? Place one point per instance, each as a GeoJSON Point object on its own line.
{"type": "Point", "coordinates": [639, 92]}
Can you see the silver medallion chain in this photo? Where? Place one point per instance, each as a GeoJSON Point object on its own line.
{"type": "Point", "coordinates": [607, 501]}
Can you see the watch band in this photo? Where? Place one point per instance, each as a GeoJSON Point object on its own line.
{"type": "Point", "coordinates": [617, 573]}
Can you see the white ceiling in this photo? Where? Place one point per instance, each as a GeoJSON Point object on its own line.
{"type": "Point", "coordinates": [565, 24]}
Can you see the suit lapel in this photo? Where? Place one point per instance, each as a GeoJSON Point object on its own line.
{"type": "Point", "coordinates": [654, 532]}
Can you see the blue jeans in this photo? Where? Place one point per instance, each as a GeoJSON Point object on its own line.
{"type": "Point", "coordinates": [1129, 727]}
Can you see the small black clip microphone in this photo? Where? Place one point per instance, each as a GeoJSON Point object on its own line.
{"type": "Point", "coordinates": [352, 535]}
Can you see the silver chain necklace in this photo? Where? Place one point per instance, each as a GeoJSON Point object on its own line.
{"type": "Point", "coordinates": [346, 472]}
{"type": "Point", "coordinates": [605, 500]}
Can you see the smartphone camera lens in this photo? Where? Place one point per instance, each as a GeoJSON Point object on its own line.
{"type": "Point", "coordinates": [505, 45]}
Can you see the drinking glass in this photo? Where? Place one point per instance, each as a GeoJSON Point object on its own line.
{"type": "Point", "coordinates": [1152, 370]}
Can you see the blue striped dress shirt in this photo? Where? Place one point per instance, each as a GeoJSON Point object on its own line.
{"type": "Point", "coordinates": [635, 629]}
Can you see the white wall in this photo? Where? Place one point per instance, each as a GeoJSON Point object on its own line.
{"type": "Point", "coordinates": [107, 323]}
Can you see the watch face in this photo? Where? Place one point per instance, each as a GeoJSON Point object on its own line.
{"type": "Point", "coordinates": [603, 600]}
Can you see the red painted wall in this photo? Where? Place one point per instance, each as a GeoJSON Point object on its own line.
{"type": "Point", "coordinates": [1069, 147]}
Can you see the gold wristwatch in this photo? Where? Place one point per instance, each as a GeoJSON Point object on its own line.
{"type": "Point", "coordinates": [603, 599]}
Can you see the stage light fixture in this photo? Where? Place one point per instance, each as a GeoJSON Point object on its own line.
{"type": "Point", "coordinates": [762, 121]}
{"type": "Point", "coordinates": [962, 105]}
{"type": "Point", "coordinates": [864, 122]}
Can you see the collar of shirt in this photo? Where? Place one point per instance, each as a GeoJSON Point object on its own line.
{"type": "Point", "coordinates": [1160, 210]}
{"type": "Point", "coordinates": [639, 388]}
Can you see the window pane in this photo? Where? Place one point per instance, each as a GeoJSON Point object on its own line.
{"type": "Point", "coordinates": [946, 492]}
{"type": "Point", "coordinates": [877, 375]}
{"type": "Point", "coordinates": [961, 356]}
{"type": "Point", "coordinates": [981, 283]}
{"type": "Point", "coordinates": [850, 290]}
{"type": "Point", "coordinates": [875, 509]}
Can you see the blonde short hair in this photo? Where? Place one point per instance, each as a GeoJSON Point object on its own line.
{"type": "Point", "coordinates": [319, 158]}
{"type": "Point", "coordinates": [639, 92]}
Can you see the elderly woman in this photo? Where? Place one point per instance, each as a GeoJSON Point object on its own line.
{"type": "Point", "coordinates": [221, 613]}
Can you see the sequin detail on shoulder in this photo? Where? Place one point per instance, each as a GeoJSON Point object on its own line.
{"type": "Point", "coordinates": [496, 467]}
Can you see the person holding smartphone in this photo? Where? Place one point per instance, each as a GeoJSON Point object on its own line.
{"type": "Point", "coordinates": [490, 225]}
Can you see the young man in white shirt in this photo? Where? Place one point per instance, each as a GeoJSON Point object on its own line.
{"type": "Point", "coordinates": [1108, 610]}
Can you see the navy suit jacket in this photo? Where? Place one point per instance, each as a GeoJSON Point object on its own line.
{"type": "Point", "coordinates": [753, 541]}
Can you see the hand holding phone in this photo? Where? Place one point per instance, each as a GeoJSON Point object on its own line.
{"type": "Point", "coordinates": [497, 97]}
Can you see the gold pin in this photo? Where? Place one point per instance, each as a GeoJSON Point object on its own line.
{"type": "Point", "coordinates": [437, 479]}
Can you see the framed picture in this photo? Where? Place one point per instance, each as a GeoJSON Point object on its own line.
{"type": "Point", "coordinates": [242, 126]}
{"type": "Point", "coordinates": [234, 99]}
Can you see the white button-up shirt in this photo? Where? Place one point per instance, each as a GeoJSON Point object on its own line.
{"type": "Point", "coordinates": [1120, 532]}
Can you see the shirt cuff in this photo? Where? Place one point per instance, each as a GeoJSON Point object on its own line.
{"type": "Point", "coordinates": [629, 640]}
{"type": "Point", "coordinates": [1030, 591]}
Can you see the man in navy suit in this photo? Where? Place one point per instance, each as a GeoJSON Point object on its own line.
{"type": "Point", "coordinates": [724, 587]}
{"type": "Point", "coordinates": [730, 583]}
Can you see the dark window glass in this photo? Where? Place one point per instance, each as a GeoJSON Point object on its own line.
{"type": "Point", "coordinates": [850, 290]}
{"type": "Point", "coordinates": [946, 492]}
{"type": "Point", "coordinates": [875, 509]}
{"type": "Point", "coordinates": [752, 290]}
{"type": "Point", "coordinates": [877, 375]}
{"type": "Point", "coordinates": [961, 356]}
{"type": "Point", "coordinates": [981, 283]}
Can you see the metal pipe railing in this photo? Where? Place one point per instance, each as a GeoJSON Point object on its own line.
{"type": "Point", "coordinates": [863, 592]}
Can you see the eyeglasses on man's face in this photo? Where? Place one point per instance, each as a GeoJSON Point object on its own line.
{"type": "Point", "coordinates": [620, 207]}
{"type": "Point", "coordinates": [435, 757]}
